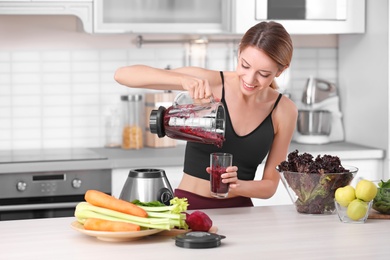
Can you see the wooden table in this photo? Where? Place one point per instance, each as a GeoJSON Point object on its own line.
{"type": "Point", "coordinates": [268, 232]}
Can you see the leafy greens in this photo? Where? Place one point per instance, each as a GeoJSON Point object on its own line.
{"type": "Point", "coordinates": [314, 181]}
{"type": "Point", "coordinates": [381, 202]}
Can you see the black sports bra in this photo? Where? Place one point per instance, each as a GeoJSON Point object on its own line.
{"type": "Point", "coordinates": [248, 151]}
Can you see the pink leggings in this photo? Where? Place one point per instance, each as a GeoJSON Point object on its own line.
{"type": "Point", "coordinates": [196, 201]}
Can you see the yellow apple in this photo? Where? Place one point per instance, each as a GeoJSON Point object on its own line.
{"type": "Point", "coordinates": [344, 195]}
{"type": "Point", "coordinates": [366, 190]}
{"type": "Point", "coordinates": [357, 209]}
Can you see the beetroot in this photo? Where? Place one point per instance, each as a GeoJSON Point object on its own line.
{"type": "Point", "coordinates": [199, 221]}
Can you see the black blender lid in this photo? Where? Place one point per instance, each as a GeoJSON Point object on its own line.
{"type": "Point", "coordinates": [156, 121]}
{"type": "Point", "coordinates": [198, 239]}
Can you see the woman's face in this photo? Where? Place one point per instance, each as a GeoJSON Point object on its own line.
{"type": "Point", "coordinates": [256, 70]}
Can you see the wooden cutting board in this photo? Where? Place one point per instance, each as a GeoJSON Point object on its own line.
{"type": "Point", "coordinates": [376, 215]}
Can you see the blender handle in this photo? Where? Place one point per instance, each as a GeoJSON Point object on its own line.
{"type": "Point", "coordinates": [184, 99]}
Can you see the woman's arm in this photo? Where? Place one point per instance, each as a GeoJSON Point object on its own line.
{"type": "Point", "coordinates": [197, 81]}
{"type": "Point", "coordinates": [140, 76]}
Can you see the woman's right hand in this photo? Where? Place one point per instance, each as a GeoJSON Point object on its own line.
{"type": "Point", "coordinates": [197, 88]}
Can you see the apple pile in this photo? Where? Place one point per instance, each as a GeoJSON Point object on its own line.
{"type": "Point", "coordinates": [356, 199]}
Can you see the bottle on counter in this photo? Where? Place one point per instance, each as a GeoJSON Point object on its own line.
{"type": "Point", "coordinates": [133, 124]}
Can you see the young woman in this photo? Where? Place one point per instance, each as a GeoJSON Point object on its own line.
{"type": "Point", "coordinates": [259, 120]}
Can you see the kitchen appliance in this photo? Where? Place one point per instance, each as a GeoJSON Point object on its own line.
{"type": "Point", "coordinates": [189, 121]}
{"type": "Point", "coordinates": [314, 122]}
{"type": "Point", "coordinates": [147, 185]}
{"type": "Point", "coordinates": [48, 193]}
{"type": "Point", "coordinates": [319, 115]}
{"type": "Point", "coordinates": [302, 16]}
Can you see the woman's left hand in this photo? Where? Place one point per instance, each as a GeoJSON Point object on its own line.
{"type": "Point", "coordinates": [230, 176]}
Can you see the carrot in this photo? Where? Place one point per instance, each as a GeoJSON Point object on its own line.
{"type": "Point", "coordinates": [101, 199]}
{"type": "Point", "coordinates": [108, 225]}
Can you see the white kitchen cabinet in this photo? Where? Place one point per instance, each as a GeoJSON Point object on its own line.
{"type": "Point", "coordinates": [162, 16]}
{"type": "Point", "coordinates": [280, 197]}
{"type": "Point", "coordinates": [64, 1]}
{"type": "Point", "coordinates": [370, 169]}
{"type": "Point", "coordinates": [79, 8]}
{"type": "Point", "coordinates": [174, 174]}
{"type": "Point", "coordinates": [188, 17]}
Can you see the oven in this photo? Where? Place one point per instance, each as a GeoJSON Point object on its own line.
{"type": "Point", "coordinates": [48, 194]}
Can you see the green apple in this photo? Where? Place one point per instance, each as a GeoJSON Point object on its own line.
{"type": "Point", "coordinates": [366, 190]}
{"type": "Point", "coordinates": [357, 209]}
{"type": "Point", "coordinates": [344, 195]}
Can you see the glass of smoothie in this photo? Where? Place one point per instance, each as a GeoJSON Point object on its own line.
{"type": "Point", "coordinates": [218, 164]}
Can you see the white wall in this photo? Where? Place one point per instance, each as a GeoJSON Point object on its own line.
{"type": "Point", "coordinates": [363, 78]}
{"type": "Point", "coordinates": [56, 81]}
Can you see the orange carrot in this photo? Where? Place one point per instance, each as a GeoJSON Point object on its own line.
{"type": "Point", "coordinates": [108, 225]}
{"type": "Point", "coordinates": [101, 199]}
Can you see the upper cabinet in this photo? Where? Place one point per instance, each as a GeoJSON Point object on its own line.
{"type": "Point", "coordinates": [201, 16]}
{"type": "Point", "coordinates": [162, 16]}
{"type": "Point", "coordinates": [79, 8]}
{"type": "Point", "coordinates": [302, 16]}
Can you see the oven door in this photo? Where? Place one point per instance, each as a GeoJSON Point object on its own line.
{"type": "Point", "coordinates": [39, 207]}
{"type": "Point", "coordinates": [48, 194]}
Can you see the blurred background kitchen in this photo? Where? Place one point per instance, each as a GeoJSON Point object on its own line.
{"type": "Point", "coordinates": [58, 58]}
{"type": "Point", "coordinates": [57, 80]}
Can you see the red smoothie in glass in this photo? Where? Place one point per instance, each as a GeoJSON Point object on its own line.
{"type": "Point", "coordinates": [217, 187]}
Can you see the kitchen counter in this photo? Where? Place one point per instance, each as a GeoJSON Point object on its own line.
{"type": "Point", "coordinates": [268, 232]}
{"type": "Point", "coordinates": [164, 157]}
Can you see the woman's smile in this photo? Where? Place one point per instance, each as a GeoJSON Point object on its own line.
{"type": "Point", "coordinates": [248, 86]}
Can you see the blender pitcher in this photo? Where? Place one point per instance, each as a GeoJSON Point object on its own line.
{"type": "Point", "coordinates": [189, 121]}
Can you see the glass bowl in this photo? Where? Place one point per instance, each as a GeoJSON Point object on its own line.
{"type": "Point", "coordinates": [313, 193]}
{"type": "Point", "coordinates": [343, 216]}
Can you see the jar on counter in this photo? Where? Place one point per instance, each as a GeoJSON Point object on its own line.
{"type": "Point", "coordinates": [113, 127]}
{"type": "Point", "coordinates": [133, 124]}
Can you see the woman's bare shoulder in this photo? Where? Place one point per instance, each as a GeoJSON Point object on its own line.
{"type": "Point", "coordinates": [230, 74]}
{"type": "Point", "coordinates": [286, 109]}
{"type": "Point", "coordinates": [288, 102]}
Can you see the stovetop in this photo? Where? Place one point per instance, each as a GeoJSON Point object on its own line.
{"type": "Point", "coordinates": [49, 155]}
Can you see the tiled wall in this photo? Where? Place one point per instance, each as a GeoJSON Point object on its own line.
{"type": "Point", "coordinates": [58, 98]}
{"type": "Point", "coordinates": [55, 99]}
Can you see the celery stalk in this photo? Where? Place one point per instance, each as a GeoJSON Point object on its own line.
{"type": "Point", "coordinates": [160, 216]}
{"type": "Point", "coordinates": [165, 214]}
{"type": "Point", "coordinates": [174, 212]}
{"type": "Point", "coordinates": [85, 210]}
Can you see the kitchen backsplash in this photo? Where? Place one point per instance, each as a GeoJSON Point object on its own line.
{"type": "Point", "coordinates": [58, 97]}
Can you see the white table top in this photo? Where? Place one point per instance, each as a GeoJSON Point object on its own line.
{"type": "Point", "coordinates": [268, 232]}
